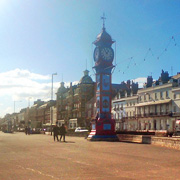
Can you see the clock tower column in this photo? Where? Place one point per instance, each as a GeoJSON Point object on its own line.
{"type": "Point", "coordinates": [103, 127]}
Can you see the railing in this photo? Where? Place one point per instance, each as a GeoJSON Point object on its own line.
{"type": "Point", "coordinates": [155, 114]}
{"type": "Point", "coordinates": [175, 114]}
{"type": "Point", "coordinates": [129, 117]}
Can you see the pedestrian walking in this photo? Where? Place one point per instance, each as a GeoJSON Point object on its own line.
{"type": "Point", "coordinates": [62, 132]}
{"type": "Point", "coordinates": [56, 132]}
{"type": "Point", "coordinates": [26, 130]}
{"type": "Point", "coordinates": [29, 130]}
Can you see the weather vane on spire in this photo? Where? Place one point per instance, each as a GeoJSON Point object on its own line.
{"type": "Point", "coordinates": [103, 18]}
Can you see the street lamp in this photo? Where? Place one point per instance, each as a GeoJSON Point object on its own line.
{"type": "Point", "coordinates": [29, 101]}
{"type": "Point", "coordinates": [54, 74]}
{"type": "Point", "coordinates": [14, 112]}
{"type": "Point", "coordinates": [28, 112]}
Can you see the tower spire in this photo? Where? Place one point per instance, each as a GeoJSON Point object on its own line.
{"type": "Point", "coordinates": [103, 18]}
{"type": "Point", "coordinates": [86, 64]}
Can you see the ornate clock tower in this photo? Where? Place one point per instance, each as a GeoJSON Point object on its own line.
{"type": "Point", "coordinates": [103, 127]}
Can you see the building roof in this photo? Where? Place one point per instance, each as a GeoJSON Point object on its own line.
{"type": "Point", "coordinates": [176, 76]}
{"type": "Point", "coordinates": [86, 79]}
{"type": "Point", "coordinates": [61, 89]}
{"type": "Point", "coordinates": [43, 106]}
{"type": "Point", "coordinates": [104, 37]}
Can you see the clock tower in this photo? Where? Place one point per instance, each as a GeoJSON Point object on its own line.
{"type": "Point", "coordinates": [103, 127]}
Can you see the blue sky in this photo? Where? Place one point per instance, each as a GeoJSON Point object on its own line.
{"type": "Point", "coordinates": [41, 37]}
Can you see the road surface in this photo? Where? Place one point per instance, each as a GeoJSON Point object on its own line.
{"type": "Point", "coordinates": [38, 157]}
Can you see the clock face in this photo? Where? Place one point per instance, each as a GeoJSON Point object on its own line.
{"type": "Point", "coordinates": [96, 54]}
{"type": "Point", "coordinates": [107, 54]}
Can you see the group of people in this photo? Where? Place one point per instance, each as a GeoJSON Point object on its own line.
{"type": "Point", "coordinates": [56, 130]}
{"type": "Point", "coordinates": [59, 131]}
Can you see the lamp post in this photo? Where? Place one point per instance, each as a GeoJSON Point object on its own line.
{"type": "Point", "coordinates": [29, 101]}
{"type": "Point", "coordinates": [14, 112]}
{"type": "Point", "coordinates": [28, 123]}
{"type": "Point", "coordinates": [51, 112]}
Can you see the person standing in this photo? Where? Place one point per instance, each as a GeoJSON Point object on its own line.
{"type": "Point", "coordinates": [29, 130]}
{"type": "Point", "coordinates": [62, 132]}
{"type": "Point", "coordinates": [56, 132]}
{"type": "Point", "coordinates": [26, 130]}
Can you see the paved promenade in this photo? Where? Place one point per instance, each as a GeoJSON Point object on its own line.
{"type": "Point", "coordinates": [38, 157]}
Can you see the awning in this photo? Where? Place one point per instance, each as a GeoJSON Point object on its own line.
{"type": "Point", "coordinates": [72, 120]}
{"type": "Point", "coordinates": [154, 103]}
{"type": "Point", "coordinates": [62, 120]}
{"type": "Point", "coordinates": [48, 124]}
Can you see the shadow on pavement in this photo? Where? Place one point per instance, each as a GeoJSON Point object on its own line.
{"type": "Point", "coordinates": [67, 142]}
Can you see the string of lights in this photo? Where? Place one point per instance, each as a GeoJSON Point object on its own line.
{"type": "Point", "coordinates": [148, 53]}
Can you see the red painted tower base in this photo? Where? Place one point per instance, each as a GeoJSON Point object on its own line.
{"type": "Point", "coordinates": [103, 130]}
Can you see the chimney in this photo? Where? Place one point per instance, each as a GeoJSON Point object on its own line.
{"type": "Point", "coordinates": [164, 77]}
{"type": "Point", "coordinates": [149, 81]}
{"type": "Point", "coordinates": [128, 84]}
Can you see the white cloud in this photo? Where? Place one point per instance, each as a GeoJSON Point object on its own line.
{"type": "Point", "coordinates": [16, 73]}
{"type": "Point", "coordinates": [140, 81]}
{"type": "Point", "coordinates": [23, 85]}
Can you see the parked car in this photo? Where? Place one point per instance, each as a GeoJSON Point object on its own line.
{"type": "Point", "coordinates": [20, 129]}
{"type": "Point", "coordinates": [81, 129]}
{"type": "Point", "coordinates": [35, 131]}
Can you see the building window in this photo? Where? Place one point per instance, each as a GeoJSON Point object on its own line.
{"type": "Point", "coordinates": [155, 109]}
{"type": "Point", "coordinates": [175, 96]}
{"type": "Point", "coordinates": [161, 95]}
{"type": "Point", "coordinates": [167, 94]}
{"type": "Point", "coordinates": [145, 97]}
{"type": "Point", "coordinates": [161, 108]}
{"type": "Point", "coordinates": [174, 108]}
{"type": "Point", "coordinates": [121, 115]}
{"type": "Point", "coordinates": [167, 108]}
{"type": "Point", "coordinates": [138, 111]}
{"type": "Point", "coordinates": [117, 107]}
{"type": "Point", "coordinates": [127, 104]}
{"type": "Point", "coordinates": [155, 95]}
{"type": "Point", "coordinates": [149, 97]}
